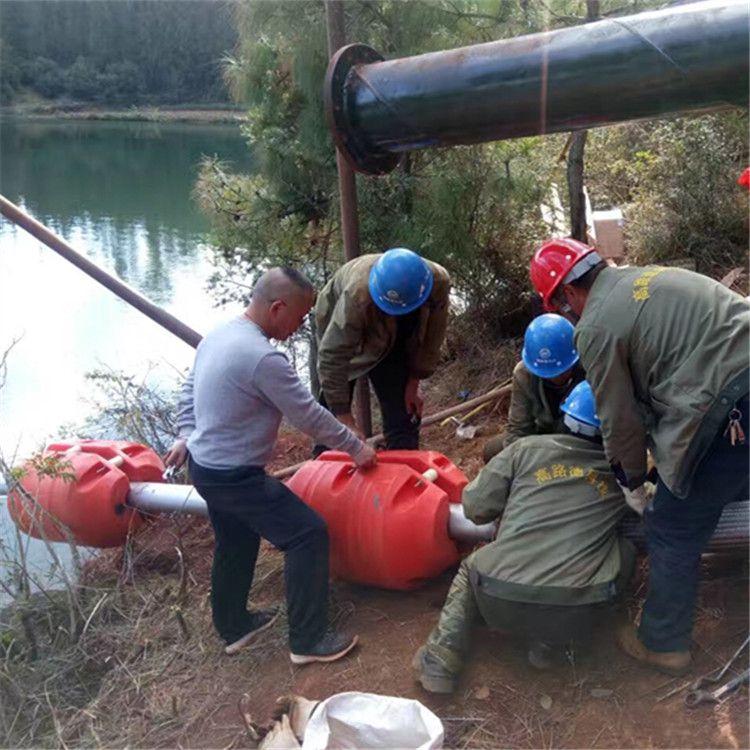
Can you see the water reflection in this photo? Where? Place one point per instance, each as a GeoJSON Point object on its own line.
{"type": "Point", "coordinates": [121, 194]}
{"type": "Point", "coordinates": [123, 190]}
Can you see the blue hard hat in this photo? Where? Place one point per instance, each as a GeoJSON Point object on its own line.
{"type": "Point", "coordinates": [400, 281]}
{"type": "Point", "coordinates": [580, 410]}
{"type": "Point", "coordinates": [548, 349]}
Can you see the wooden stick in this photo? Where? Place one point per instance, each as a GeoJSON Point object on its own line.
{"type": "Point", "coordinates": [123, 291]}
{"type": "Point", "coordinates": [495, 393]}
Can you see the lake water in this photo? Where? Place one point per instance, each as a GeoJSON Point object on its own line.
{"type": "Point", "coordinates": [121, 194]}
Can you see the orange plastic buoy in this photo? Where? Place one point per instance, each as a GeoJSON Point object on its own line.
{"type": "Point", "coordinates": [138, 462]}
{"type": "Point", "coordinates": [450, 478]}
{"type": "Point", "coordinates": [388, 526]}
{"type": "Point", "coordinates": [91, 507]}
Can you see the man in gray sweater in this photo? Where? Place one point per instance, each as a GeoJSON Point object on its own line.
{"type": "Point", "coordinates": [230, 409]}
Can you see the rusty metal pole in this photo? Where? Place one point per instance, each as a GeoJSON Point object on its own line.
{"type": "Point", "coordinates": [123, 291]}
{"type": "Point", "coordinates": [348, 199]}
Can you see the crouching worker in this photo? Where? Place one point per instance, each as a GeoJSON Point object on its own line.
{"type": "Point", "coordinates": [547, 373]}
{"type": "Point", "coordinates": [383, 316]}
{"type": "Point", "coordinates": [230, 410]}
{"type": "Point", "coordinates": [557, 557]}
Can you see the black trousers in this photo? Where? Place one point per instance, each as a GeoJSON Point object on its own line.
{"type": "Point", "coordinates": [245, 504]}
{"type": "Point", "coordinates": [388, 380]}
{"type": "Point", "coordinates": [677, 531]}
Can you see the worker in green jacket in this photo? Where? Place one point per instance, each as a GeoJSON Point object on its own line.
{"type": "Point", "coordinates": [547, 373]}
{"type": "Point", "coordinates": [666, 352]}
{"type": "Point", "coordinates": [383, 316]}
{"type": "Point", "coordinates": [557, 557]}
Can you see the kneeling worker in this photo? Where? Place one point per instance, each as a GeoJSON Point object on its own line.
{"type": "Point", "coordinates": [383, 316]}
{"type": "Point", "coordinates": [547, 373]}
{"type": "Point", "coordinates": [557, 554]}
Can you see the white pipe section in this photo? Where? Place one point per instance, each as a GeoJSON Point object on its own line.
{"type": "Point", "coordinates": [154, 497]}
{"type": "Point", "coordinates": [464, 531]}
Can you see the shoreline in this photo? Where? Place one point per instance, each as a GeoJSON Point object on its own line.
{"type": "Point", "coordinates": [178, 113]}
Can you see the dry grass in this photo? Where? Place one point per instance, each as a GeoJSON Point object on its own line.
{"type": "Point", "coordinates": [142, 666]}
{"type": "Point", "coordinates": [131, 675]}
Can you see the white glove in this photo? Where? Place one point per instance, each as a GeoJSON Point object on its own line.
{"type": "Point", "coordinates": [639, 498]}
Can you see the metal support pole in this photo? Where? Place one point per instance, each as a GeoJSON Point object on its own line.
{"type": "Point", "coordinates": [138, 301]}
{"type": "Point", "coordinates": [348, 200]}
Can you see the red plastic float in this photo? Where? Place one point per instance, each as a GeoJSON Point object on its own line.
{"type": "Point", "coordinates": [92, 506]}
{"type": "Point", "coordinates": [388, 526]}
{"type": "Point", "coordinates": [450, 478]}
{"type": "Point", "coordinates": [138, 462]}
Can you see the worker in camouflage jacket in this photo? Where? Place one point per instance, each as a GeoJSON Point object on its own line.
{"type": "Point", "coordinates": [666, 352]}
{"type": "Point", "coordinates": [557, 558]}
{"type": "Point", "coordinates": [383, 316]}
{"type": "Point", "coordinates": [547, 373]}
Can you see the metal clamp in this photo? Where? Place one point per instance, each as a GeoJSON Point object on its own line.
{"type": "Point", "coordinates": [695, 697]}
{"type": "Point", "coordinates": [698, 692]}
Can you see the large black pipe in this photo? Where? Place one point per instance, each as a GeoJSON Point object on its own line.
{"type": "Point", "coordinates": [680, 59]}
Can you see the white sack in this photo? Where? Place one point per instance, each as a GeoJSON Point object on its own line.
{"type": "Point", "coordinates": [365, 720]}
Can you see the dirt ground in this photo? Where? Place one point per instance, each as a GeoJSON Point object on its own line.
{"type": "Point", "coordinates": [604, 700]}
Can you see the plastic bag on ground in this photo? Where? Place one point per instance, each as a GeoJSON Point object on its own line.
{"type": "Point", "coordinates": [367, 720]}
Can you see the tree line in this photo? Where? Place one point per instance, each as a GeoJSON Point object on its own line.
{"type": "Point", "coordinates": [124, 52]}
{"type": "Point", "coordinates": [474, 209]}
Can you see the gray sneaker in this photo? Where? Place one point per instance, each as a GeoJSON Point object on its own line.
{"type": "Point", "coordinates": [330, 647]}
{"type": "Point", "coordinates": [261, 620]}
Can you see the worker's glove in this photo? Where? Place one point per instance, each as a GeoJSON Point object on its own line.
{"type": "Point", "coordinates": [639, 498]}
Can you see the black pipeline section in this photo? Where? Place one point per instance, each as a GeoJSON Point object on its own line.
{"type": "Point", "coordinates": [679, 59]}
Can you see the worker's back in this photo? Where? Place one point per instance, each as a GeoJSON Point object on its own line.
{"type": "Point", "coordinates": [557, 541]}
{"type": "Point", "coordinates": [673, 338]}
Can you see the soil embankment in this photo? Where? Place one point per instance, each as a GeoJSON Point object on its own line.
{"type": "Point", "coordinates": [153, 673]}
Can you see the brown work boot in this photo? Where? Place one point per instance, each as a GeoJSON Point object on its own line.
{"type": "Point", "coordinates": [673, 663]}
{"type": "Point", "coordinates": [432, 675]}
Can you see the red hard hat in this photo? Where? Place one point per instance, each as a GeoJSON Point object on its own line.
{"type": "Point", "coordinates": [552, 262]}
{"type": "Point", "coordinates": [744, 179]}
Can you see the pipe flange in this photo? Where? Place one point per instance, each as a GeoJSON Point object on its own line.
{"type": "Point", "coordinates": [360, 155]}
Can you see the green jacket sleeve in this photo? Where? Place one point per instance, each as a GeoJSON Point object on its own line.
{"type": "Point", "coordinates": [426, 358]}
{"type": "Point", "coordinates": [485, 497]}
{"type": "Point", "coordinates": [605, 360]}
{"type": "Point", "coordinates": [342, 338]}
{"type": "Point", "coordinates": [520, 412]}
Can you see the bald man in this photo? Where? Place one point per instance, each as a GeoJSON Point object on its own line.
{"type": "Point", "coordinates": [230, 409]}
